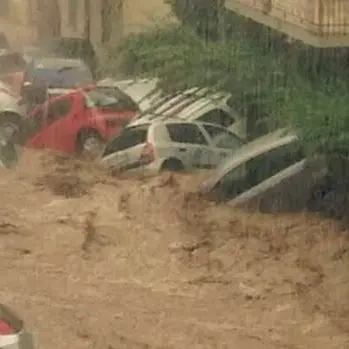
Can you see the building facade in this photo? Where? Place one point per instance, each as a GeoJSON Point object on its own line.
{"type": "Point", "coordinates": [319, 23]}
{"type": "Point", "coordinates": [100, 20]}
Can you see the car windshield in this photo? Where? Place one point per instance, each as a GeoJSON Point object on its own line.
{"type": "Point", "coordinates": [109, 99]}
{"type": "Point", "coordinates": [97, 99]}
{"type": "Point", "coordinates": [60, 75]}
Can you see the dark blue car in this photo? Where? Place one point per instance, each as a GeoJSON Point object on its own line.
{"type": "Point", "coordinates": [56, 72]}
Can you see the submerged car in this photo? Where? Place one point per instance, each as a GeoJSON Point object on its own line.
{"type": "Point", "coordinates": [270, 173]}
{"type": "Point", "coordinates": [13, 334]}
{"type": "Point", "coordinates": [171, 145]}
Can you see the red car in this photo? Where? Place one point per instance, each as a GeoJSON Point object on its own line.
{"type": "Point", "coordinates": [79, 121]}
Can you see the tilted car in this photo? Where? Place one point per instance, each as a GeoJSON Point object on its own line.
{"type": "Point", "coordinates": [142, 91]}
{"type": "Point", "coordinates": [270, 173]}
{"type": "Point", "coordinates": [13, 334]}
{"type": "Point", "coordinates": [194, 104]}
{"type": "Point", "coordinates": [172, 145]}
{"type": "Point", "coordinates": [79, 121]}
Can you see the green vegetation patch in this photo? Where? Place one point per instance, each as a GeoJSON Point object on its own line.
{"type": "Point", "coordinates": [316, 108]}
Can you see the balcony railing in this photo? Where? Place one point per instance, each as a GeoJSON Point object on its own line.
{"type": "Point", "coordinates": [323, 23]}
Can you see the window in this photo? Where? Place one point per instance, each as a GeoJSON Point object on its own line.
{"type": "Point", "coordinates": [58, 109]}
{"type": "Point", "coordinates": [217, 117]}
{"type": "Point", "coordinates": [223, 138]}
{"type": "Point", "coordinates": [125, 102]}
{"type": "Point", "coordinates": [129, 138]}
{"type": "Point", "coordinates": [258, 170]}
{"type": "Point", "coordinates": [186, 133]}
{"type": "Point", "coordinates": [110, 99]}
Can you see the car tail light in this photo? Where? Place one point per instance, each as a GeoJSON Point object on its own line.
{"type": "Point", "coordinates": [5, 328]}
{"type": "Point", "coordinates": [147, 155]}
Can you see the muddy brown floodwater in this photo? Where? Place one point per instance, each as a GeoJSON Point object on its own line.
{"type": "Point", "coordinates": [92, 261]}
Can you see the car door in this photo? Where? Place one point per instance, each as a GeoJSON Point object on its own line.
{"type": "Point", "coordinates": [58, 131]}
{"type": "Point", "coordinates": [190, 145]}
{"type": "Point", "coordinates": [224, 142]}
{"type": "Point", "coordinates": [125, 151]}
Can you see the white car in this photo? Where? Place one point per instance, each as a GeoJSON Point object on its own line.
{"type": "Point", "coordinates": [13, 334]}
{"type": "Point", "coordinates": [172, 145]}
{"type": "Point", "coordinates": [213, 109]}
{"type": "Point", "coordinates": [270, 173]}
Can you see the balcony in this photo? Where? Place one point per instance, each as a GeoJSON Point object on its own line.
{"type": "Point", "coordinates": [319, 23]}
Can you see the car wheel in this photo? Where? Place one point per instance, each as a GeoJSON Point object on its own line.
{"type": "Point", "coordinates": [172, 165]}
{"type": "Point", "coordinates": [10, 126]}
{"type": "Point", "coordinates": [90, 145]}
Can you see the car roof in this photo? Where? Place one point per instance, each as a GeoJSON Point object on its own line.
{"type": "Point", "coordinates": [184, 104]}
{"type": "Point", "coordinates": [256, 147]}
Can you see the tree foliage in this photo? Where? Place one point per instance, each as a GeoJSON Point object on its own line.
{"type": "Point", "coordinates": [246, 66]}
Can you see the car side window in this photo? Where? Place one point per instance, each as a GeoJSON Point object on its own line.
{"type": "Point", "coordinates": [217, 117]}
{"type": "Point", "coordinates": [223, 138]}
{"type": "Point", "coordinates": [58, 109]}
{"type": "Point", "coordinates": [128, 139]}
{"type": "Point", "coordinates": [268, 164]}
{"type": "Point", "coordinates": [39, 115]}
{"type": "Point", "coordinates": [123, 101]}
{"type": "Point", "coordinates": [186, 133]}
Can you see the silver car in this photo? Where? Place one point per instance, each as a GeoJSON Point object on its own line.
{"type": "Point", "coordinates": [13, 334]}
{"type": "Point", "coordinates": [269, 174]}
